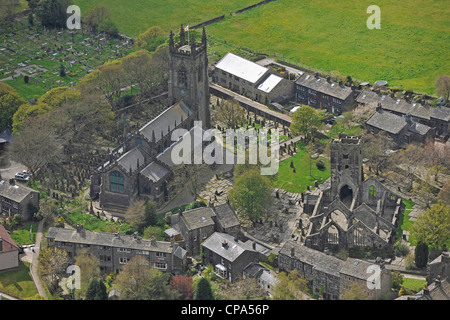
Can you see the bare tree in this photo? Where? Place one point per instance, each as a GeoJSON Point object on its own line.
{"type": "Point", "coordinates": [231, 114]}
{"type": "Point", "coordinates": [374, 149]}
{"type": "Point", "coordinates": [443, 87]}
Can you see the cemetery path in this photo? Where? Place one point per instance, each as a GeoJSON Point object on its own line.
{"type": "Point", "coordinates": [34, 264]}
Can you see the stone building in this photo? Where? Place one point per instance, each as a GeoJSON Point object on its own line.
{"type": "Point", "coordinates": [141, 167]}
{"type": "Point", "coordinates": [9, 251]}
{"type": "Point", "coordinates": [252, 80]}
{"type": "Point", "coordinates": [196, 225]}
{"type": "Point", "coordinates": [228, 255]}
{"type": "Point", "coordinates": [437, 118]}
{"type": "Point", "coordinates": [114, 250]}
{"type": "Point", "coordinates": [323, 93]}
{"type": "Point", "coordinates": [18, 199]}
{"type": "Point", "coordinates": [439, 267]}
{"type": "Point", "coordinates": [352, 211]}
{"type": "Point", "coordinates": [402, 130]}
{"type": "Point", "coordinates": [329, 276]}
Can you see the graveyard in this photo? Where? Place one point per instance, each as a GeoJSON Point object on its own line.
{"type": "Point", "coordinates": [31, 57]}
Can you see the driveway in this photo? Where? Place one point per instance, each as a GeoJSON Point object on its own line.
{"type": "Point", "coordinates": [10, 169]}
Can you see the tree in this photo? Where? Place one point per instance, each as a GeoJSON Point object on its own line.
{"type": "Point", "coordinates": [397, 280]}
{"type": "Point", "coordinates": [53, 263]}
{"type": "Point", "coordinates": [374, 149]}
{"type": "Point", "coordinates": [443, 87]}
{"type": "Point", "coordinates": [203, 290]}
{"type": "Point", "coordinates": [150, 39]}
{"type": "Point", "coordinates": [10, 102]}
{"type": "Point", "coordinates": [52, 14]}
{"type": "Point", "coordinates": [354, 292]}
{"type": "Point", "coordinates": [48, 209]}
{"type": "Point", "coordinates": [109, 27]}
{"type": "Point", "coordinates": [58, 96]}
{"type": "Point", "coordinates": [7, 11]}
{"type": "Point", "coordinates": [289, 286]}
{"type": "Point", "coordinates": [96, 290]}
{"type": "Point", "coordinates": [231, 114]}
{"type": "Point", "coordinates": [184, 286]}
{"type": "Point", "coordinates": [242, 289]}
{"type": "Point", "coordinates": [28, 112]}
{"type": "Point", "coordinates": [436, 157]}
{"type": "Point", "coordinates": [410, 159]}
{"type": "Point", "coordinates": [421, 255]}
{"type": "Point", "coordinates": [306, 121]}
{"type": "Point", "coordinates": [135, 214]}
{"type": "Point", "coordinates": [444, 194]}
{"type": "Point", "coordinates": [423, 190]}
{"type": "Point", "coordinates": [139, 281]}
{"type": "Point", "coordinates": [90, 266]}
{"type": "Point", "coordinates": [433, 226]}
{"type": "Point", "coordinates": [96, 16]}
{"type": "Point", "coordinates": [36, 145]}
{"type": "Point", "coordinates": [251, 195]}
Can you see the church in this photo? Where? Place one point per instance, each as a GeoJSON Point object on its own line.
{"type": "Point", "coordinates": [141, 168]}
{"type": "Point", "coordinates": [351, 211]}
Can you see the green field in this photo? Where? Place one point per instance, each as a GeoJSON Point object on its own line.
{"type": "Point", "coordinates": [18, 283]}
{"type": "Point", "coordinates": [409, 51]}
{"type": "Point", "coordinates": [134, 17]}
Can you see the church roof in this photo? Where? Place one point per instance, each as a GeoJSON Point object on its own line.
{"type": "Point", "coordinates": [130, 159]}
{"type": "Point", "coordinates": [176, 113]}
{"type": "Point", "coordinates": [154, 172]}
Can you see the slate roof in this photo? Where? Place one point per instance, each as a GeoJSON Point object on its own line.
{"type": "Point", "coordinates": [321, 84]}
{"type": "Point", "coordinates": [107, 239]}
{"type": "Point", "coordinates": [319, 260]}
{"type": "Point", "coordinates": [356, 268]}
{"type": "Point", "coordinates": [387, 121]}
{"type": "Point", "coordinates": [242, 68]}
{"type": "Point", "coordinates": [154, 172]}
{"type": "Point", "coordinates": [226, 215]}
{"type": "Point", "coordinates": [129, 159]}
{"type": "Point", "coordinates": [167, 118]}
{"type": "Point", "coordinates": [231, 252]}
{"type": "Point", "coordinates": [442, 113]}
{"type": "Point", "coordinates": [8, 244]}
{"type": "Point", "coordinates": [16, 192]}
{"type": "Point", "coordinates": [198, 218]}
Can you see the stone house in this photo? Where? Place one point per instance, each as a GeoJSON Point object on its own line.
{"type": "Point", "coordinates": [251, 80]}
{"type": "Point", "coordinates": [228, 255]}
{"type": "Point", "coordinates": [329, 276]}
{"type": "Point", "coordinates": [196, 225]}
{"type": "Point", "coordinates": [323, 93]}
{"type": "Point", "coordinates": [437, 118]}
{"type": "Point", "coordinates": [114, 250]}
{"type": "Point", "coordinates": [402, 130]}
{"type": "Point", "coordinates": [266, 279]}
{"type": "Point", "coordinates": [9, 251]}
{"type": "Point", "coordinates": [439, 267]}
{"type": "Point", "coordinates": [16, 198]}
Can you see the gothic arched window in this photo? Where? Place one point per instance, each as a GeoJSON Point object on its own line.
{"type": "Point", "coordinates": [117, 182]}
{"type": "Point", "coordinates": [182, 77]}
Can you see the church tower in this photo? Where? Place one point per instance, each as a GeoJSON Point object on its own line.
{"type": "Point", "coordinates": [346, 168]}
{"type": "Point", "coordinates": [188, 74]}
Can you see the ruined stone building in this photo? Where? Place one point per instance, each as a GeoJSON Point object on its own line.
{"type": "Point", "coordinates": [142, 166]}
{"type": "Point", "coordinates": [352, 211]}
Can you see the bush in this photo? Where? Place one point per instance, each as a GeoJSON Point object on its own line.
{"type": "Point", "coordinates": [320, 164]}
{"type": "Point", "coordinates": [400, 250]}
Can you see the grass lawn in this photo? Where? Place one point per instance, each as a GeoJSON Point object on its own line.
{"type": "Point", "coordinates": [299, 181]}
{"type": "Point", "coordinates": [405, 223]}
{"type": "Point", "coordinates": [18, 283]}
{"type": "Point", "coordinates": [93, 223]}
{"type": "Point", "coordinates": [414, 284]}
{"type": "Point", "coordinates": [22, 235]}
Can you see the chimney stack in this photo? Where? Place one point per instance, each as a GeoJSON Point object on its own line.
{"type": "Point", "coordinates": [292, 251]}
{"type": "Point", "coordinates": [225, 244]}
{"type": "Point", "coordinates": [153, 241]}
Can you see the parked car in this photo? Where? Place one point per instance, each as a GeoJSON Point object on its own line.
{"type": "Point", "coordinates": [20, 176]}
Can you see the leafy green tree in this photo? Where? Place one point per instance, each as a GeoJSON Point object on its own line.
{"type": "Point", "coordinates": [10, 102]}
{"type": "Point", "coordinates": [203, 290]}
{"type": "Point", "coordinates": [290, 286]}
{"type": "Point", "coordinates": [421, 255]}
{"type": "Point", "coordinates": [397, 280]}
{"type": "Point", "coordinates": [96, 16]}
{"type": "Point", "coordinates": [306, 121]}
{"type": "Point", "coordinates": [355, 292]}
{"type": "Point", "coordinates": [251, 195]}
{"type": "Point", "coordinates": [52, 14]}
{"type": "Point", "coordinates": [109, 27]}
{"type": "Point", "coordinates": [433, 226]}
{"type": "Point", "coordinates": [150, 39]}
{"type": "Point", "coordinates": [96, 290]}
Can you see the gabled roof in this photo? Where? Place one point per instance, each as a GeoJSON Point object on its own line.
{"type": "Point", "coordinates": [166, 119]}
{"type": "Point", "coordinates": [198, 218]}
{"type": "Point", "coordinates": [322, 85]}
{"type": "Point", "coordinates": [242, 68]}
{"type": "Point", "coordinates": [231, 251]}
{"type": "Point", "coordinates": [270, 83]}
{"type": "Point", "coordinates": [130, 159]}
{"type": "Point", "coordinates": [15, 192]}
{"type": "Point", "coordinates": [226, 215]}
{"type": "Point", "coordinates": [387, 121]}
{"type": "Point", "coordinates": [8, 244]}
{"type": "Point", "coordinates": [154, 172]}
